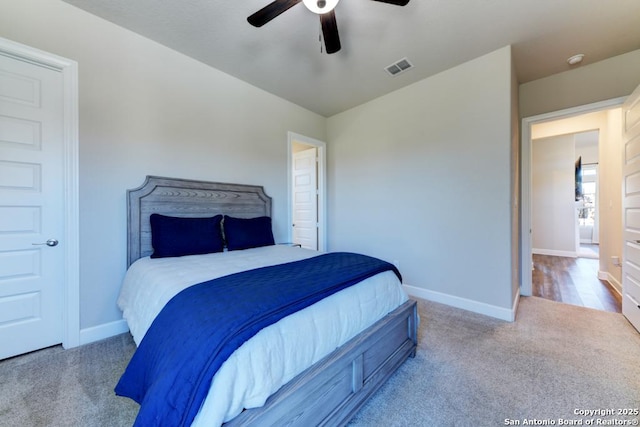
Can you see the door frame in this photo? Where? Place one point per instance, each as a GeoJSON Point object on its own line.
{"type": "Point", "coordinates": [526, 286]}
{"type": "Point", "coordinates": [69, 70]}
{"type": "Point", "coordinates": [322, 186]}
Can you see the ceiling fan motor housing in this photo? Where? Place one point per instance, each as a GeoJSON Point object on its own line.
{"type": "Point", "coordinates": [324, 8]}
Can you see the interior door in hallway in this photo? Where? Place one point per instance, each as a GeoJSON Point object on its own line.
{"type": "Point", "coordinates": [631, 208]}
{"type": "Point", "coordinates": [305, 199]}
{"type": "Point", "coordinates": [31, 206]}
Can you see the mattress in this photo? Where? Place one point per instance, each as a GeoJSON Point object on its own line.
{"type": "Point", "coordinates": [277, 353]}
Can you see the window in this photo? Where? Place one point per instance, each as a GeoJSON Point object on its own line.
{"type": "Point", "coordinates": [586, 214]}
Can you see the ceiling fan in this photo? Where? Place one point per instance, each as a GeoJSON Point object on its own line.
{"type": "Point", "coordinates": [324, 8]}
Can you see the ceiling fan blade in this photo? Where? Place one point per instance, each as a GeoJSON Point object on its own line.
{"type": "Point", "coordinates": [330, 32]}
{"type": "Point", "coordinates": [396, 2]}
{"type": "Point", "coordinates": [271, 11]}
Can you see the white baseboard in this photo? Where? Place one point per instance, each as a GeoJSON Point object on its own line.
{"type": "Point", "coordinates": [466, 304]}
{"type": "Point", "coordinates": [100, 332]}
{"type": "Point", "coordinates": [604, 275]}
{"type": "Point", "coordinates": [553, 252]}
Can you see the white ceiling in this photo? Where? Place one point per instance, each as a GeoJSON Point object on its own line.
{"type": "Point", "coordinates": [283, 57]}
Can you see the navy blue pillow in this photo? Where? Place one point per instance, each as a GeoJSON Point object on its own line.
{"type": "Point", "coordinates": [173, 236]}
{"type": "Point", "coordinates": [241, 233]}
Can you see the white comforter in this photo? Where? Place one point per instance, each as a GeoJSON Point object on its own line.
{"type": "Point", "coordinates": [277, 353]}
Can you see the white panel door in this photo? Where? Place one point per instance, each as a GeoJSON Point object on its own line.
{"type": "Point", "coordinates": [31, 207]}
{"type": "Point", "coordinates": [305, 199]}
{"type": "Point", "coordinates": [631, 202]}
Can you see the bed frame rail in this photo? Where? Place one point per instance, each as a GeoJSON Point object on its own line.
{"type": "Point", "coordinates": [331, 391]}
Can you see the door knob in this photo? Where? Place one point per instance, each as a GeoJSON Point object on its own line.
{"type": "Point", "coordinates": [50, 242]}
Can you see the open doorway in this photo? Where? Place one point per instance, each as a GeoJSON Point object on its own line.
{"type": "Point", "coordinates": [565, 220]}
{"type": "Point", "coordinates": [598, 226]}
{"type": "Point", "coordinates": [306, 174]}
{"type": "Point", "coordinates": [564, 188]}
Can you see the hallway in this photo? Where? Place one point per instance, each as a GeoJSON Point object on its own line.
{"type": "Point", "coordinates": [573, 281]}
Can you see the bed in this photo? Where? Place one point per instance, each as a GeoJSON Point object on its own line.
{"type": "Point", "coordinates": [330, 378]}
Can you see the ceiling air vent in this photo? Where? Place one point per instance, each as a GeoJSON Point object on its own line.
{"type": "Point", "coordinates": [399, 67]}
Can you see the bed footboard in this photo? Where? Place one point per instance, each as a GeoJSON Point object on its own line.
{"type": "Point", "coordinates": [331, 391]}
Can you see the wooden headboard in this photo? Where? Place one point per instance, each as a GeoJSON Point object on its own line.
{"type": "Point", "coordinates": [186, 198]}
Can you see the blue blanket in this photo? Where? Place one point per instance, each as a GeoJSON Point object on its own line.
{"type": "Point", "coordinates": [171, 372]}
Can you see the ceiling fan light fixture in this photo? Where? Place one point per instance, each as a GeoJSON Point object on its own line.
{"type": "Point", "coordinates": [320, 7]}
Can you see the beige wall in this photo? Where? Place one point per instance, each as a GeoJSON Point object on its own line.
{"type": "Point", "coordinates": [146, 109]}
{"type": "Point", "coordinates": [610, 152]}
{"type": "Point", "coordinates": [586, 84]}
{"type": "Point", "coordinates": [423, 176]}
{"type": "Point", "coordinates": [553, 208]}
{"type": "Point", "coordinates": [515, 187]}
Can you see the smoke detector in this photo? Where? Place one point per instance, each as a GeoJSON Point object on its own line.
{"type": "Point", "coordinates": [575, 59]}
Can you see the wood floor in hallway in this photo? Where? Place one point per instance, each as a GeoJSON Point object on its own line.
{"type": "Point", "coordinates": [573, 281]}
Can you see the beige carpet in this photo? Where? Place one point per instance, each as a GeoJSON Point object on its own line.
{"type": "Point", "coordinates": [473, 370]}
{"type": "Point", "coordinates": [470, 370]}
